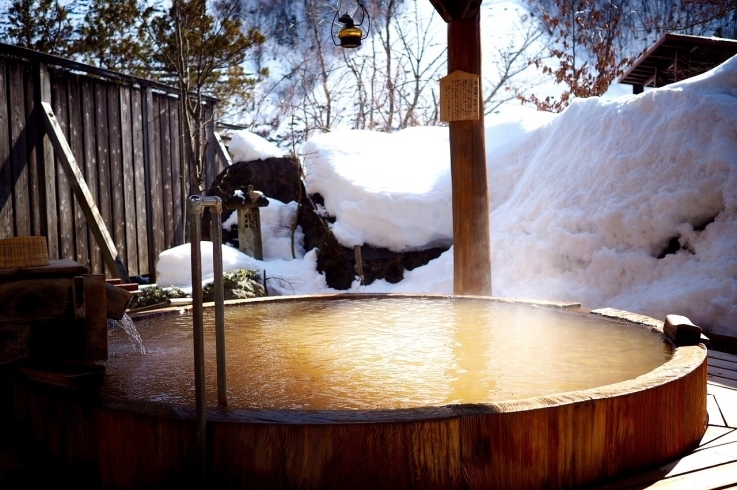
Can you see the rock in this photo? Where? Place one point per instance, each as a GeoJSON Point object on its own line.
{"type": "Point", "coordinates": [238, 284]}
{"type": "Point", "coordinates": [277, 178]}
{"type": "Point", "coordinates": [280, 178]}
{"type": "Point", "coordinates": [682, 332]}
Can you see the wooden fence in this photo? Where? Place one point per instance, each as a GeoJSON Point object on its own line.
{"type": "Point", "coordinates": [125, 134]}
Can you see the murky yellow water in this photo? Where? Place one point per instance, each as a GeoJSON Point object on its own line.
{"type": "Point", "coordinates": [384, 353]}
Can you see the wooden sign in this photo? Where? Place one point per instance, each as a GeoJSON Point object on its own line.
{"type": "Point", "coordinates": [459, 97]}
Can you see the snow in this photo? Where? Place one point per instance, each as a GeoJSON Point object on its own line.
{"type": "Point", "coordinates": [372, 182]}
{"type": "Point", "coordinates": [246, 147]}
{"type": "Point", "coordinates": [583, 204]}
{"type": "Point", "coordinates": [276, 229]}
{"type": "Point", "coordinates": [589, 224]}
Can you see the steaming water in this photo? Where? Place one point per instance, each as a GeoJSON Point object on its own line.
{"type": "Point", "coordinates": [385, 353]}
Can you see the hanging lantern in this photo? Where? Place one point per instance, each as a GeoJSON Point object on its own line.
{"type": "Point", "coordinates": [351, 35]}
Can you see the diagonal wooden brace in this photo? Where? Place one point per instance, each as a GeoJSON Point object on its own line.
{"type": "Point", "coordinates": [83, 194]}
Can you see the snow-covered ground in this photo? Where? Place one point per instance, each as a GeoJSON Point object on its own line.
{"type": "Point", "coordinates": [583, 204]}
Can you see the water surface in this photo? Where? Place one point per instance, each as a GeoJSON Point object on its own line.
{"type": "Point", "coordinates": [384, 353]}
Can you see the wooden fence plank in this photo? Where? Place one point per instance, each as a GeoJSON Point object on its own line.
{"type": "Point", "coordinates": [166, 172]}
{"type": "Point", "coordinates": [129, 195]}
{"type": "Point", "coordinates": [83, 194]}
{"type": "Point", "coordinates": [6, 172]}
{"type": "Point", "coordinates": [46, 167]}
{"type": "Point", "coordinates": [139, 178]}
{"type": "Point", "coordinates": [178, 189]}
{"type": "Point", "coordinates": [76, 142]}
{"type": "Point", "coordinates": [34, 135]}
{"type": "Point", "coordinates": [18, 143]}
{"type": "Point", "coordinates": [64, 198]}
{"type": "Point", "coordinates": [186, 159]}
{"type": "Point", "coordinates": [103, 158]}
{"type": "Point", "coordinates": [156, 215]}
{"type": "Point", "coordinates": [117, 202]}
{"type": "Point", "coordinates": [90, 163]}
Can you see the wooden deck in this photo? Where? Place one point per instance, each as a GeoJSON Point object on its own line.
{"type": "Point", "coordinates": [713, 465]}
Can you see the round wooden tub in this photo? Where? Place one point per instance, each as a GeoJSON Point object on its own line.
{"type": "Point", "coordinates": [559, 441]}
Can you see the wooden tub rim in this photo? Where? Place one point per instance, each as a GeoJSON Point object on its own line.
{"type": "Point", "coordinates": [684, 360]}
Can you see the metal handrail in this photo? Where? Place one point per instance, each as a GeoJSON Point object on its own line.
{"type": "Point", "coordinates": [195, 207]}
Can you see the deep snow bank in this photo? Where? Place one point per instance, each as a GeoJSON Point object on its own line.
{"type": "Point", "coordinates": [604, 188]}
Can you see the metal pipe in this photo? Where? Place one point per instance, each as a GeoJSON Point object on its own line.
{"type": "Point", "coordinates": [195, 205]}
{"type": "Point", "coordinates": [216, 233]}
{"type": "Point", "coordinates": [194, 209]}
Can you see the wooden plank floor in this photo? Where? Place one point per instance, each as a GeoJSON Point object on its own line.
{"type": "Point", "coordinates": [713, 465]}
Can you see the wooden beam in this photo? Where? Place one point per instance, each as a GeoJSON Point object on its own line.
{"type": "Point", "coordinates": [471, 231]}
{"type": "Point", "coordinates": [451, 10]}
{"type": "Point", "coordinates": [222, 150]}
{"type": "Point", "coordinates": [442, 10]}
{"type": "Point", "coordinates": [83, 194]}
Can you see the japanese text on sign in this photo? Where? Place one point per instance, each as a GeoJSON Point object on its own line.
{"type": "Point", "coordinates": [459, 97]}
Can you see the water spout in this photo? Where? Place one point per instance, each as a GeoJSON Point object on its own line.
{"type": "Point", "coordinates": [117, 301]}
{"type": "Point", "coordinates": [130, 329]}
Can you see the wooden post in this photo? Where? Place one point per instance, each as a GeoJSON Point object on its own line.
{"type": "Point", "coordinates": [471, 232]}
{"type": "Point", "coordinates": [83, 194]}
{"type": "Point", "coordinates": [359, 263]}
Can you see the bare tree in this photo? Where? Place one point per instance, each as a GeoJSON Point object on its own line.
{"type": "Point", "coordinates": [396, 71]}
{"type": "Point", "coordinates": [512, 77]}
{"type": "Point", "coordinates": [423, 61]}
{"type": "Point", "coordinates": [202, 50]}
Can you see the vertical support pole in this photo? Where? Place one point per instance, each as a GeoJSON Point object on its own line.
{"type": "Point", "coordinates": [471, 231]}
{"type": "Point", "coordinates": [194, 208]}
{"type": "Point", "coordinates": [359, 262]}
{"type": "Point", "coordinates": [675, 68]}
{"type": "Point", "coordinates": [216, 235]}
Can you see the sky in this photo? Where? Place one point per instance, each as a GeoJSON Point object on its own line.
{"type": "Point", "coordinates": [583, 204]}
